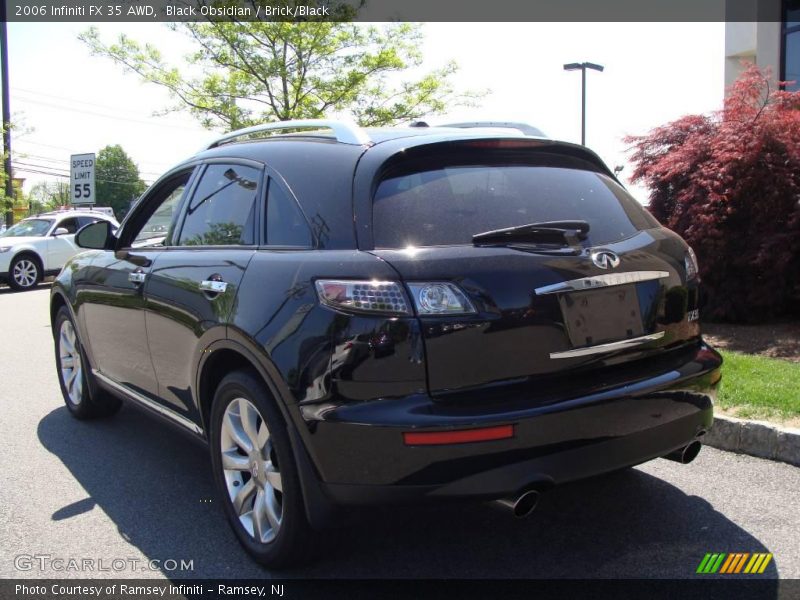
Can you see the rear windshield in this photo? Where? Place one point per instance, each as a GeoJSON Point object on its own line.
{"type": "Point", "coordinates": [450, 204]}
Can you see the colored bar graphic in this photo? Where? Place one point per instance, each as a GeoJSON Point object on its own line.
{"type": "Point", "coordinates": [717, 564]}
{"type": "Point", "coordinates": [701, 568]}
{"type": "Point", "coordinates": [734, 560]}
{"type": "Point", "coordinates": [753, 562]}
{"type": "Point", "coordinates": [765, 563]}
{"type": "Point", "coordinates": [741, 562]}
{"type": "Point", "coordinates": [729, 563]}
{"type": "Point", "coordinates": [720, 562]}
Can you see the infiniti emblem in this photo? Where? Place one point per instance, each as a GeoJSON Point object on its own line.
{"type": "Point", "coordinates": [254, 470]}
{"type": "Point", "coordinates": [605, 259]}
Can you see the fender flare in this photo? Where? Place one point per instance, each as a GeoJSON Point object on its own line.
{"type": "Point", "coordinates": [320, 510]}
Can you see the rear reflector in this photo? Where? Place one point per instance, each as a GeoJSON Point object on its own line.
{"type": "Point", "coordinates": [461, 436]}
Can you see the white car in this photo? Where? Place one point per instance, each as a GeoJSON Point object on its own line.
{"type": "Point", "coordinates": [39, 246]}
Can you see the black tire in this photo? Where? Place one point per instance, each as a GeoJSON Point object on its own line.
{"type": "Point", "coordinates": [85, 400]}
{"type": "Point", "coordinates": [293, 543]}
{"type": "Point", "coordinates": [24, 272]}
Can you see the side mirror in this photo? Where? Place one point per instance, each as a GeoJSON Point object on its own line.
{"type": "Point", "coordinates": [60, 231]}
{"type": "Point", "coordinates": [96, 236]}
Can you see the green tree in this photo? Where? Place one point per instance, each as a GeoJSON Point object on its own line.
{"type": "Point", "coordinates": [242, 74]}
{"type": "Point", "coordinates": [117, 179]}
{"type": "Point", "coordinates": [48, 195]}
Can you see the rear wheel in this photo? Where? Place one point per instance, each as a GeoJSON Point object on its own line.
{"type": "Point", "coordinates": [256, 473]}
{"type": "Point", "coordinates": [24, 273]}
{"type": "Point", "coordinates": [83, 399]}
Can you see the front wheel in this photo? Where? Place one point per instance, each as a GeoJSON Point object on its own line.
{"type": "Point", "coordinates": [24, 273]}
{"type": "Point", "coordinates": [255, 472]}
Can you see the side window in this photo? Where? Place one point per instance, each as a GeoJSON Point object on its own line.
{"type": "Point", "coordinates": [286, 225]}
{"type": "Point", "coordinates": [71, 225]}
{"type": "Point", "coordinates": [83, 221]}
{"type": "Point", "coordinates": [223, 208]}
{"type": "Point", "coordinates": [156, 228]}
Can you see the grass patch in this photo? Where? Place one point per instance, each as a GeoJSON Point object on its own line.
{"type": "Point", "coordinates": [760, 387]}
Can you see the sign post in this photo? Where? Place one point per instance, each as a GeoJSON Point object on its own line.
{"type": "Point", "coordinates": [81, 178]}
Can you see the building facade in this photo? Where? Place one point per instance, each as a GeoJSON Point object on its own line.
{"type": "Point", "coordinates": [773, 43]}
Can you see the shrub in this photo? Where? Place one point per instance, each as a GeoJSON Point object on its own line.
{"type": "Point", "coordinates": [729, 183]}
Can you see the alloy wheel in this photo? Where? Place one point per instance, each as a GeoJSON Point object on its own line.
{"type": "Point", "coordinates": [249, 464]}
{"type": "Point", "coordinates": [71, 365]}
{"type": "Point", "coordinates": [25, 273]}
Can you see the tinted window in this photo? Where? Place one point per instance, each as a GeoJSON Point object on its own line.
{"type": "Point", "coordinates": [286, 225]}
{"type": "Point", "coordinates": [792, 67]}
{"type": "Point", "coordinates": [449, 205]}
{"type": "Point", "coordinates": [83, 221]}
{"type": "Point", "coordinates": [156, 227]}
{"type": "Point", "coordinates": [792, 16]}
{"type": "Point", "coordinates": [71, 224]}
{"type": "Point", "coordinates": [223, 208]}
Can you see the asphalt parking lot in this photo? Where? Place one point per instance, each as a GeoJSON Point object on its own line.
{"type": "Point", "coordinates": [132, 488]}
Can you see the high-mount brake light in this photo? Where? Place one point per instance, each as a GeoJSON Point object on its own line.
{"type": "Point", "coordinates": [520, 143]}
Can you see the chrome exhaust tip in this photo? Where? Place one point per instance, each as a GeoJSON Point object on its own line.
{"type": "Point", "coordinates": [685, 455]}
{"type": "Point", "coordinates": [523, 505]}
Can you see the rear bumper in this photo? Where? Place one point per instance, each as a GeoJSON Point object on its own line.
{"type": "Point", "coordinates": [361, 458]}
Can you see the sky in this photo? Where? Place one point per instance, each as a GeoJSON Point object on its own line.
{"type": "Point", "coordinates": [65, 101]}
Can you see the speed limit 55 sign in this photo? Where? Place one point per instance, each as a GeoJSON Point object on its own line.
{"type": "Point", "coordinates": [81, 178]}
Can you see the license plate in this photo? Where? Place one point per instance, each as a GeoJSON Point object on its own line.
{"type": "Point", "coordinates": [599, 316]}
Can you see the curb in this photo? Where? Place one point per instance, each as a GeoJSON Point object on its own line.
{"type": "Point", "coordinates": [755, 438]}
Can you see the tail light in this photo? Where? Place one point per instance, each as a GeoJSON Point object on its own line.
{"type": "Point", "coordinates": [439, 298]}
{"type": "Point", "coordinates": [378, 297]}
{"type": "Point", "coordinates": [390, 298]}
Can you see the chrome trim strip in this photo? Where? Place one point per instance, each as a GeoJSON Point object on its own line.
{"type": "Point", "coordinates": [610, 347]}
{"type": "Point", "coordinates": [596, 281]}
{"type": "Point", "coordinates": [162, 410]}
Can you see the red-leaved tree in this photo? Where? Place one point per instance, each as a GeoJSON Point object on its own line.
{"type": "Point", "coordinates": [729, 183]}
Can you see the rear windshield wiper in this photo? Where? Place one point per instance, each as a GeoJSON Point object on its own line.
{"type": "Point", "coordinates": [561, 233]}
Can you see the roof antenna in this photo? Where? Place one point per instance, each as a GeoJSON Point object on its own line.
{"type": "Point", "coordinates": [419, 124]}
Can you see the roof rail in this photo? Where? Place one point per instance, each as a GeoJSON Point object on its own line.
{"type": "Point", "coordinates": [522, 127]}
{"type": "Point", "coordinates": [343, 131]}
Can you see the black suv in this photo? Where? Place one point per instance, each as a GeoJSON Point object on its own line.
{"type": "Point", "coordinates": [354, 316]}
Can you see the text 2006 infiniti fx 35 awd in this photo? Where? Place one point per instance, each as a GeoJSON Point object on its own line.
{"type": "Point", "coordinates": [355, 317]}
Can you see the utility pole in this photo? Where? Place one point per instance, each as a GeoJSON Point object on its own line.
{"type": "Point", "coordinates": [9, 202]}
{"type": "Point", "coordinates": [582, 68]}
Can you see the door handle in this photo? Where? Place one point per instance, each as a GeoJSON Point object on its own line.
{"type": "Point", "coordinates": [213, 286]}
{"type": "Point", "coordinates": [138, 276]}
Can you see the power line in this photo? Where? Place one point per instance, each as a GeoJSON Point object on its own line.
{"type": "Point", "coordinates": [161, 166]}
{"type": "Point", "coordinates": [24, 141]}
{"type": "Point", "coordinates": [61, 161]}
{"type": "Point", "coordinates": [105, 116]}
{"type": "Point", "coordinates": [52, 172]}
{"type": "Point", "coordinates": [75, 100]}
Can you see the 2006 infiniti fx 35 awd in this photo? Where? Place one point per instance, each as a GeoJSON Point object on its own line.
{"type": "Point", "coordinates": [354, 316]}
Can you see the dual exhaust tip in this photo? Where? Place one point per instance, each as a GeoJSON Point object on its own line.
{"type": "Point", "coordinates": [524, 504]}
{"type": "Point", "coordinates": [686, 454]}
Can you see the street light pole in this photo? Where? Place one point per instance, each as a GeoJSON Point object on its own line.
{"type": "Point", "coordinates": [9, 192]}
{"type": "Point", "coordinates": [582, 68]}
